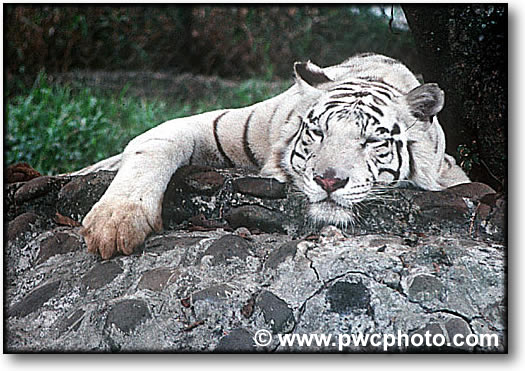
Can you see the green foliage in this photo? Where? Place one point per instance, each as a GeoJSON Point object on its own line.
{"type": "Point", "coordinates": [245, 93]}
{"type": "Point", "coordinates": [61, 38]}
{"type": "Point", "coordinates": [59, 129]}
{"type": "Point", "coordinates": [468, 156]}
{"type": "Point", "coordinates": [265, 41]}
{"type": "Point", "coordinates": [56, 129]}
{"type": "Point", "coordinates": [230, 41]}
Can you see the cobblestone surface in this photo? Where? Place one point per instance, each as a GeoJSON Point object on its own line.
{"type": "Point", "coordinates": [231, 263]}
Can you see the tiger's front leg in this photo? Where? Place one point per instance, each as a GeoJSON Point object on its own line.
{"type": "Point", "coordinates": [131, 207]}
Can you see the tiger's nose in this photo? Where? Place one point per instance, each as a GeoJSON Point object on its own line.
{"type": "Point", "coordinates": [329, 182]}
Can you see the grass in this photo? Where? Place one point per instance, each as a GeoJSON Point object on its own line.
{"type": "Point", "coordinates": [58, 129]}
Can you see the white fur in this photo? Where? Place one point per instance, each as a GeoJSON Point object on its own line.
{"type": "Point", "coordinates": [131, 207]}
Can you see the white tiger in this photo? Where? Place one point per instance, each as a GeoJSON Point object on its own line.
{"type": "Point", "coordinates": [337, 133]}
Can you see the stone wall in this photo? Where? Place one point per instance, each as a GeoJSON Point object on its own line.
{"type": "Point", "coordinates": [238, 256]}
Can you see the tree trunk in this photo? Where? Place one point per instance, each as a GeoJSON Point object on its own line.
{"type": "Point", "coordinates": [464, 49]}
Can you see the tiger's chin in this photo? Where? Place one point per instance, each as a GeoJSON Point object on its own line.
{"type": "Point", "coordinates": [329, 212]}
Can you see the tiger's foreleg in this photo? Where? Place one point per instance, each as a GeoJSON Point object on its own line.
{"type": "Point", "coordinates": [131, 207]}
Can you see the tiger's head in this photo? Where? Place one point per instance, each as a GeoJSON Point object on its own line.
{"type": "Point", "coordinates": [360, 135]}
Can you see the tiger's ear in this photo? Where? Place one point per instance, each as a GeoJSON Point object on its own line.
{"type": "Point", "coordinates": [310, 75]}
{"type": "Point", "coordinates": [426, 101]}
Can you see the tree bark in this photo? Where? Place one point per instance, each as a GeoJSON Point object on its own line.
{"type": "Point", "coordinates": [464, 49]}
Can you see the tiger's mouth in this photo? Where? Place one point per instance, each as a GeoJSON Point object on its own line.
{"type": "Point", "coordinates": [329, 211]}
{"type": "Point", "coordinates": [338, 207]}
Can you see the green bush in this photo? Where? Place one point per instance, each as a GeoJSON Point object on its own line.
{"type": "Point", "coordinates": [58, 129]}
{"type": "Point", "coordinates": [55, 129]}
{"type": "Point", "coordinates": [62, 38]}
{"type": "Point", "coordinates": [265, 41]}
{"type": "Point", "coordinates": [229, 41]}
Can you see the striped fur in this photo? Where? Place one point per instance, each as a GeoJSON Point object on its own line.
{"type": "Point", "coordinates": [338, 134]}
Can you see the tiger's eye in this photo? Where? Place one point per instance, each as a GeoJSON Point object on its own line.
{"type": "Point", "coordinates": [372, 140]}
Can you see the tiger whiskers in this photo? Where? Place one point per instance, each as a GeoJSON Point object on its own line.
{"type": "Point", "coordinates": [410, 127]}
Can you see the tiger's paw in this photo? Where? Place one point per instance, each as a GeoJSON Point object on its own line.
{"type": "Point", "coordinates": [118, 226]}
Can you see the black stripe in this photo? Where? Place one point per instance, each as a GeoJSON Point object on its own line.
{"type": "Point", "coordinates": [399, 147]}
{"type": "Point", "coordinates": [343, 88]}
{"type": "Point", "coordinates": [379, 83]}
{"type": "Point", "coordinates": [246, 144]}
{"type": "Point", "coordinates": [395, 130]}
{"type": "Point", "coordinates": [289, 140]}
{"type": "Point", "coordinates": [365, 55]}
{"type": "Point", "coordinates": [368, 119]}
{"type": "Point", "coordinates": [307, 133]}
{"type": "Point", "coordinates": [297, 154]}
{"type": "Point", "coordinates": [370, 169]}
{"type": "Point", "coordinates": [229, 162]}
{"type": "Point", "coordinates": [361, 94]}
{"type": "Point", "coordinates": [338, 102]}
{"type": "Point", "coordinates": [380, 87]}
{"type": "Point", "coordinates": [342, 105]}
{"type": "Point", "coordinates": [330, 115]}
{"type": "Point", "coordinates": [384, 144]}
{"type": "Point", "coordinates": [289, 115]}
{"type": "Point", "coordinates": [395, 173]}
{"type": "Point", "coordinates": [346, 95]}
{"type": "Point", "coordinates": [378, 100]}
{"type": "Point", "coordinates": [273, 115]}
{"type": "Point", "coordinates": [375, 109]}
{"type": "Point", "coordinates": [269, 126]}
{"type": "Point", "coordinates": [411, 165]}
{"type": "Point", "coordinates": [386, 93]}
{"type": "Point", "coordinates": [299, 134]}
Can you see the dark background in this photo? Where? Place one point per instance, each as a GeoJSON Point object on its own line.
{"type": "Point", "coordinates": [234, 42]}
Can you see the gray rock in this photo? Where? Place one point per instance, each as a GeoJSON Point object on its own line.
{"type": "Point", "coordinates": [256, 217]}
{"type": "Point", "coordinates": [126, 315]}
{"type": "Point", "coordinates": [34, 188]}
{"type": "Point", "coordinates": [239, 340]}
{"type": "Point", "coordinates": [279, 255]}
{"type": "Point", "coordinates": [59, 243]}
{"type": "Point", "coordinates": [72, 322]}
{"type": "Point", "coordinates": [474, 190]}
{"type": "Point", "coordinates": [197, 179]}
{"type": "Point", "coordinates": [22, 223]}
{"type": "Point", "coordinates": [78, 196]}
{"type": "Point", "coordinates": [347, 297]}
{"type": "Point", "coordinates": [420, 262]}
{"type": "Point", "coordinates": [213, 293]}
{"type": "Point", "coordinates": [455, 327]}
{"type": "Point", "coordinates": [101, 274]}
{"type": "Point", "coordinates": [227, 247]}
{"type": "Point", "coordinates": [425, 287]}
{"type": "Point", "coordinates": [34, 300]}
{"type": "Point", "coordinates": [156, 279]}
{"type": "Point", "coordinates": [38, 196]}
{"type": "Point", "coordinates": [277, 314]}
{"type": "Point", "coordinates": [260, 187]}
